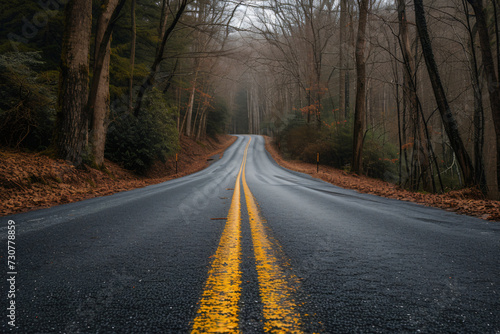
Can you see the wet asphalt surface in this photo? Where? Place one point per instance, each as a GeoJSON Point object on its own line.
{"type": "Point", "coordinates": [137, 261]}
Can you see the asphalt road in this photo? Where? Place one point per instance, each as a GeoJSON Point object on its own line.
{"type": "Point", "coordinates": [286, 253]}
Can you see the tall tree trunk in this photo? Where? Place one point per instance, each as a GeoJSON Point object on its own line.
{"type": "Point", "coordinates": [497, 35]}
{"type": "Point", "coordinates": [490, 74]}
{"type": "Point", "coordinates": [318, 94]}
{"type": "Point", "coordinates": [347, 90]}
{"type": "Point", "coordinates": [201, 125]}
{"type": "Point", "coordinates": [255, 111]}
{"type": "Point", "coordinates": [360, 108]}
{"type": "Point", "coordinates": [449, 122]}
{"type": "Point", "coordinates": [179, 99]}
{"type": "Point", "coordinates": [343, 27]}
{"type": "Point", "coordinates": [350, 46]}
{"type": "Point", "coordinates": [101, 105]}
{"type": "Point", "coordinates": [189, 111]}
{"type": "Point", "coordinates": [309, 70]}
{"type": "Point", "coordinates": [410, 95]}
{"type": "Point", "coordinates": [249, 110]}
{"type": "Point", "coordinates": [100, 53]}
{"type": "Point", "coordinates": [162, 28]}
{"type": "Point", "coordinates": [398, 110]}
{"type": "Point", "coordinates": [197, 117]}
{"type": "Point", "coordinates": [133, 29]}
{"type": "Point", "coordinates": [72, 131]}
{"type": "Point", "coordinates": [479, 170]}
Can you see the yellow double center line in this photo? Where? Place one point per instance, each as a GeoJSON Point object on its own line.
{"type": "Point", "coordinates": [219, 306]}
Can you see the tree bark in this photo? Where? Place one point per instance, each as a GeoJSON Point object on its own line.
{"type": "Point", "coordinates": [497, 35]}
{"type": "Point", "coordinates": [420, 149]}
{"type": "Point", "coordinates": [100, 109]}
{"type": "Point", "coordinates": [350, 46]}
{"type": "Point", "coordinates": [72, 131]}
{"type": "Point", "coordinates": [100, 56]}
{"type": "Point", "coordinates": [201, 126]}
{"type": "Point", "coordinates": [189, 111]}
{"type": "Point", "coordinates": [449, 122]}
{"type": "Point", "coordinates": [343, 27]}
{"type": "Point", "coordinates": [133, 29]}
{"type": "Point", "coordinates": [360, 108]}
{"type": "Point", "coordinates": [163, 25]}
{"type": "Point", "coordinates": [490, 74]}
{"type": "Point", "coordinates": [311, 65]}
{"type": "Point", "coordinates": [479, 170]}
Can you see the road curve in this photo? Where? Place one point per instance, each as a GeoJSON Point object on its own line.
{"type": "Point", "coordinates": [247, 246]}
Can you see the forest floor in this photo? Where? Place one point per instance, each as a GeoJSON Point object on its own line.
{"type": "Point", "coordinates": [30, 181]}
{"type": "Point", "coordinates": [469, 202]}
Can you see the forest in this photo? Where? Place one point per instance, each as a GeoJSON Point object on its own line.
{"type": "Point", "coordinates": [404, 91]}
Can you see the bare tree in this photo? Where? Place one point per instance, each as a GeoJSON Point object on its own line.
{"type": "Point", "coordinates": [449, 122]}
{"type": "Point", "coordinates": [299, 34]}
{"type": "Point", "coordinates": [479, 121]}
{"type": "Point", "coordinates": [490, 74]}
{"type": "Point", "coordinates": [421, 152]}
{"type": "Point", "coordinates": [360, 108]}
{"type": "Point", "coordinates": [133, 30]}
{"type": "Point", "coordinates": [342, 56]}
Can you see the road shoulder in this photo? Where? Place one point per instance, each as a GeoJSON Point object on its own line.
{"type": "Point", "coordinates": [467, 201]}
{"type": "Point", "coordinates": [31, 181]}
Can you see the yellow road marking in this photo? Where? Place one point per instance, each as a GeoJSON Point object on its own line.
{"type": "Point", "coordinates": [277, 283]}
{"type": "Point", "coordinates": [218, 311]}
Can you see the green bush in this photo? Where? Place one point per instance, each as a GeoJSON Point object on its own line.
{"type": "Point", "coordinates": [137, 142]}
{"type": "Point", "coordinates": [334, 143]}
{"type": "Point", "coordinates": [27, 101]}
{"type": "Point", "coordinates": [297, 139]}
{"type": "Point", "coordinates": [380, 160]}
{"type": "Point", "coordinates": [217, 118]}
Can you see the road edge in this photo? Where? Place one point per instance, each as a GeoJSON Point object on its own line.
{"type": "Point", "coordinates": [35, 198]}
{"type": "Point", "coordinates": [479, 208]}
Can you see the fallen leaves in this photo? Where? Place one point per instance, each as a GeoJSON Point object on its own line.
{"type": "Point", "coordinates": [32, 181]}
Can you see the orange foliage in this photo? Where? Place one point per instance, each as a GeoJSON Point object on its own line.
{"type": "Point", "coordinates": [407, 145]}
{"type": "Point", "coordinates": [311, 109]}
